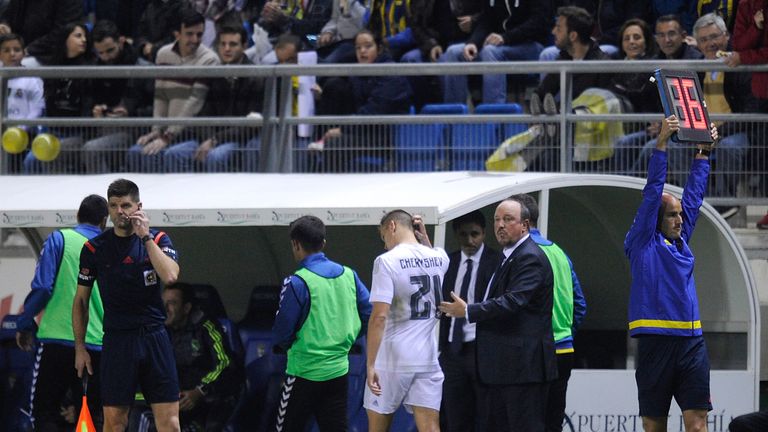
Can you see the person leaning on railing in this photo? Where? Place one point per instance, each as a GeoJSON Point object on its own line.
{"type": "Point", "coordinates": [66, 97]}
{"type": "Point", "coordinates": [174, 98]}
{"type": "Point", "coordinates": [218, 149]}
{"type": "Point", "coordinates": [115, 98]}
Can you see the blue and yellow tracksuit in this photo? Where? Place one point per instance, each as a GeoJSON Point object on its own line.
{"type": "Point", "coordinates": [663, 293]}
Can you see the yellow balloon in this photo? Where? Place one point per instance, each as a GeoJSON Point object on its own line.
{"type": "Point", "coordinates": [46, 147]}
{"type": "Point", "coordinates": [15, 140]}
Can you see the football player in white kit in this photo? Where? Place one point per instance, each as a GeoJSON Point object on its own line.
{"type": "Point", "coordinates": [402, 342]}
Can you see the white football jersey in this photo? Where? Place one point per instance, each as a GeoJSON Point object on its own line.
{"type": "Point", "coordinates": [409, 278]}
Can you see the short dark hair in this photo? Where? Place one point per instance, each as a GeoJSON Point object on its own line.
{"type": "Point", "coordinates": [11, 37]}
{"type": "Point", "coordinates": [579, 20]}
{"type": "Point", "coordinates": [668, 18]}
{"type": "Point", "coordinates": [189, 17]}
{"type": "Point", "coordinates": [400, 217]}
{"type": "Point", "coordinates": [529, 203]}
{"type": "Point", "coordinates": [309, 231]}
{"type": "Point", "coordinates": [524, 212]}
{"type": "Point", "coordinates": [93, 209]}
{"type": "Point", "coordinates": [123, 187]}
{"type": "Point", "coordinates": [288, 39]}
{"type": "Point", "coordinates": [230, 29]}
{"type": "Point", "coordinates": [104, 29]}
{"type": "Point", "coordinates": [187, 293]}
{"type": "Point", "coordinates": [377, 39]}
{"type": "Point", "coordinates": [473, 217]}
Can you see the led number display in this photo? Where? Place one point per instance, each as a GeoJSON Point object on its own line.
{"type": "Point", "coordinates": [681, 95]}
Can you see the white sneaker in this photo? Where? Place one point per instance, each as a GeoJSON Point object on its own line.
{"type": "Point", "coordinates": [318, 145]}
{"type": "Point", "coordinates": [550, 108]}
{"type": "Point", "coordinates": [535, 104]}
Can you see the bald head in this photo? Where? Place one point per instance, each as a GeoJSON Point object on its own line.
{"type": "Point", "coordinates": [670, 221]}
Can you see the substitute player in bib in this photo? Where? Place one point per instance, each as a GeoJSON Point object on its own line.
{"type": "Point", "coordinates": [129, 262]}
{"type": "Point", "coordinates": [53, 289]}
{"type": "Point", "coordinates": [324, 307]}
{"type": "Point", "coordinates": [402, 344]}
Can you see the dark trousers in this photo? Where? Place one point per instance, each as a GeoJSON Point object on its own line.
{"type": "Point", "coordinates": [515, 408]}
{"type": "Point", "coordinates": [557, 391]}
{"type": "Point", "coordinates": [301, 399]}
{"type": "Point", "coordinates": [55, 375]}
{"type": "Point", "coordinates": [461, 391]}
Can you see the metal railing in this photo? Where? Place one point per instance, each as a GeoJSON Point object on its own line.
{"type": "Point", "coordinates": [278, 149]}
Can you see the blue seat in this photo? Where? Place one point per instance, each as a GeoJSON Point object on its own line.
{"type": "Point", "coordinates": [403, 421]}
{"type": "Point", "coordinates": [264, 370]}
{"type": "Point", "coordinates": [208, 300]}
{"type": "Point", "coordinates": [356, 379]}
{"type": "Point", "coordinates": [471, 144]}
{"type": "Point", "coordinates": [231, 336]}
{"type": "Point", "coordinates": [421, 147]}
{"type": "Point", "coordinates": [356, 416]}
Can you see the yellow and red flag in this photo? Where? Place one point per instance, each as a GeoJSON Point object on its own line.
{"type": "Point", "coordinates": [85, 422]}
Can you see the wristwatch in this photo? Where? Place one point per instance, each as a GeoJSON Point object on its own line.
{"type": "Point", "coordinates": [147, 238]}
{"type": "Point", "coordinates": [704, 151]}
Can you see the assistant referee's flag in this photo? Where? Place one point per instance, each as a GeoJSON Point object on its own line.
{"type": "Point", "coordinates": [85, 422]}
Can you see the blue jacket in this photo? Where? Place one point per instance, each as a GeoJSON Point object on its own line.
{"type": "Point", "coordinates": [662, 299]}
{"type": "Point", "coordinates": [294, 300]}
{"type": "Point", "coordinates": [579, 302]}
{"type": "Point", "coordinates": [381, 95]}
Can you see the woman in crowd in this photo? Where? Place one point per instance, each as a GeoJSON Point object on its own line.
{"type": "Point", "coordinates": [361, 147]}
{"type": "Point", "coordinates": [66, 97]}
{"type": "Point", "coordinates": [638, 93]}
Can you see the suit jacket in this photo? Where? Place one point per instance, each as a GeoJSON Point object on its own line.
{"type": "Point", "coordinates": [514, 326]}
{"type": "Point", "coordinates": [489, 260]}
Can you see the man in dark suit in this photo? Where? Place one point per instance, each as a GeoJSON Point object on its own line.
{"type": "Point", "coordinates": [514, 342]}
{"type": "Point", "coordinates": [469, 271]}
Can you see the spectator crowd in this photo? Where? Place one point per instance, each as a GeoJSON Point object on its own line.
{"type": "Point", "coordinates": [242, 32]}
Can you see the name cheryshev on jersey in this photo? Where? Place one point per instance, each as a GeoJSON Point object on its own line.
{"type": "Point", "coordinates": [406, 263]}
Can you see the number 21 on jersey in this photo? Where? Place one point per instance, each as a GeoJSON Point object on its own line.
{"type": "Point", "coordinates": [421, 300]}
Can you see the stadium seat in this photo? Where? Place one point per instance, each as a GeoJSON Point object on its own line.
{"type": "Point", "coordinates": [262, 306]}
{"type": "Point", "coordinates": [356, 416]}
{"type": "Point", "coordinates": [403, 421]}
{"type": "Point", "coordinates": [209, 301]}
{"type": "Point", "coordinates": [357, 376]}
{"type": "Point", "coordinates": [506, 129]}
{"type": "Point", "coordinates": [471, 144]}
{"type": "Point", "coordinates": [232, 338]}
{"type": "Point", "coordinates": [421, 147]}
{"type": "Point", "coordinates": [264, 370]}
